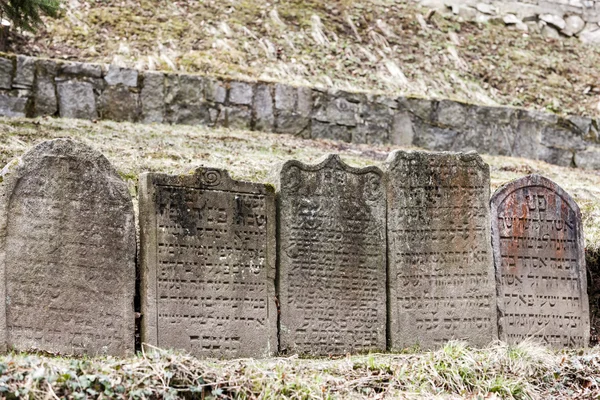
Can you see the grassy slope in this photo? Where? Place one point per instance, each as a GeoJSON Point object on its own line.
{"type": "Point", "coordinates": [358, 44]}
{"type": "Point", "coordinates": [525, 371]}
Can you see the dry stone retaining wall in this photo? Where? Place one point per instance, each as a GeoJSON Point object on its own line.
{"type": "Point", "coordinates": [34, 87]}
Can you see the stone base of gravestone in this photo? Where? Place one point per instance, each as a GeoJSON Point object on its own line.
{"type": "Point", "coordinates": [67, 253]}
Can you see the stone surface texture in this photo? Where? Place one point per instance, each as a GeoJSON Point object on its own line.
{"type": "Point", "coordinates": [538, 247]}
{"type": "Point", "coordinates": [67, 253]}
{"type": "Point", "coordinates": [77, 90]}
{"type": "Point", "coordinates": [441, 276]}
{"type": "Point", "coordinates": [331, 248]}
{"type": "Point", "coordinates": [208, 264]}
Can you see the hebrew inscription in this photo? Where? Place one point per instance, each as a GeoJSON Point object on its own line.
{"type": "Point", "coordinates": [332, 272]}
{"type": "Point", "coordinates": [441, 273]}
{"type": "Point", "coordinates": [67, 253]}
{"type": "Point", "coordinates": [540, 265]}
{"type": "Point", "coordinates": [208, 264]}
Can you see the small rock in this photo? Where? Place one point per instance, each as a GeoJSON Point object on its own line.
{"type": "Point", "coordinates": [121, 76]}
{"type": "Point", "coordinates": [522, 26]}
{"type": "Point", "coordinates": [574, 25]}
{"type": "Point", "coordinates": [510, 19]}
{"type": "Point", "coordinates": [533, 27]}
{"type": "Point", "coordinates": [550, 32]}
{"type": "Point", "coordinates": [554, 20]}
{"type": "Point", "coordinates": [467, 13]}
{"type": "Point", "coordinates": [590, 36]}
{"type": "Point", "coordinates": [486, 8]}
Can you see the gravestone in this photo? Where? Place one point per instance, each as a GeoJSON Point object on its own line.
{"type": "Point", "coordinates": [332, 265]}
{"type": "Point", "coordinates": [208, 264]}
{"type": "Point", "coordinates": [441, 276]}
{"type": "Point", "coordinates": [540, 266]}
{"type": "Point", "coordinates": [67, 253]}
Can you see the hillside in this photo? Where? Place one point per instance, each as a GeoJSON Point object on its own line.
{"type": "Point", "coordinates": [382, 45]}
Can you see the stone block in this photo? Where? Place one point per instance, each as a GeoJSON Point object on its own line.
{"type": "Point", "coordinates": [241, 93]}
{"type": "Point", "coordinates": [76, 100]}
{"type": "Point", "coordinates": [83, 70]}
{"type": "Point", "coordinates": [305, 101]}
{"type": "Point", "coordinates": [433, 138]}
{"type": "Point", "coordinates": [402, 132]}
{"type": "Point", "coordinates": [451, 114]}
{"type": "Point", "coordinates": [184, 100]}
{"type": "Point", "coordinates": [588, 158]}
{"type": "Point", "coordinates": [120, 103]}
{"type": "Point", "coordinates": [214, 237]}
{"type": "Point", "coordinates": [152, 97]}
{"type": "Point", "coordinates": [371, 132]}
{"type": "Point", "coordinates": [215, 90]}
{"type": "Point", "coordinates": [293, 124]}
{"type": "Point", "coordinates": [25, 73]}
{"type": "Point", "coordinates": [45, 101]}
{"type": "Point", "coordinates": [264, 118]}
{"type": "Point", "coordinates": [13, 106]}
{"type": "Point", "coordinates": [67, 253]}
{"type": "Point", "coordinates": [441, 275]}
{"type": "Point", "coordinates": [538, 247]}
{"type": "Point", "coordinates": [286, 97]}
{"type": "Point", "coordinates": [332, 258]}
{"type": "Point", "coordinates": [6, 73]}
{"type": "Point", "coordinates": [324, 130]}
{"type": "Point", "coordinates": [342, 112]}
{"type": "Point", "coordinates": [121, 76]}
{"type": "Point", "coordinates": [239, 117]}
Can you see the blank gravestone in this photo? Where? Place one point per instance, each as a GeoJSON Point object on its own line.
{"type": "Point", "coordinates": [540, 265]}
{"type": "Point", "coordinates": [208, 264]}
{"type": "Point", "coordinates": [332, 266]}
{"type": "Point", "coordinates": [67, 253]}
{"type": "Point", "coordinates": [441, 276]}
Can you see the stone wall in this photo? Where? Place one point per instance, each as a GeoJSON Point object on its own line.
{"type": "Point", "coordinates": [31, 87]}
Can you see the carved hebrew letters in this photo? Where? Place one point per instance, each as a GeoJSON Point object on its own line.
{"type": "Point", "coordinates": [332, 258]}
{"type": "Point", "coordinates": [208, 265]}
{"type": "Point", "coordinates": [440, 263]}
{"type": "Point", "coordinates": [540, 265]}
{"type": "Point", "coordinates": [67, 253]}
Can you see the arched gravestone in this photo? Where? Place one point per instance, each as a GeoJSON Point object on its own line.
{"type": "Point", "coordinates": [540, 266]}
{"type": "Point", "coordinates": [208, 264]}
{"type": "Point", "coordinates": [67, 253]}
{"type": "Point", "coordinates": [441, 274]}
{"type": "Point", "coordinates": [332, 265]}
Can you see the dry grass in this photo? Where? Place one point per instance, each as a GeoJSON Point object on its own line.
{"type": "Point", "coordinates": [350, 44]}
{"type": "Point", "coordinates": [523, 371]}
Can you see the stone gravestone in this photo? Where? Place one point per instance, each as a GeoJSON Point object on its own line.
{"type": "Point", "coordinates": [67, 253]}
{"type": "Point", "coordinates": [332, 265]}
{"type": "Point", "coordinates": [540, 266]}
{"type": "Point", "coordinates": [208, 264]}
{"type": "Point", "coordinates": [441, 276]}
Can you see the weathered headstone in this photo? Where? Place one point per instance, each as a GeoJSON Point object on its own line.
{"type": "Point", "coordinates": [67, 253]}
{"type": "Point", "coordinates": [441, 275]}
{"type": "Point", "coordinates": [208, 264]}
{"type": "Point", "coordinates": [332, 265]}
{"type": "Point", "coordinates": [540, 265]}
